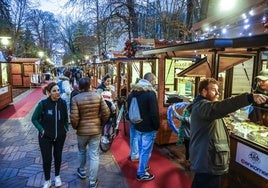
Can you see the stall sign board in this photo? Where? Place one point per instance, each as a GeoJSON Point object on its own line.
{"type": "Point", "coordinates": [252, 159]}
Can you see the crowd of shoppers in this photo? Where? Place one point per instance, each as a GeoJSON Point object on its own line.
{"type": "Point", "coordinates": [208, 142]}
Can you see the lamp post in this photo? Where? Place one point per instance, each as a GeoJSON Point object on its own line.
{"type": "Point", "coordinates": [5, 40]}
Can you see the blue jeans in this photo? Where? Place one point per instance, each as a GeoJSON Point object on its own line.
{"type": "Point", "coordinates": [133, 142]}
{"type": "Point", "coordinates": [92, 142]}
{"type": "Point", "coordinates": [145, 144]}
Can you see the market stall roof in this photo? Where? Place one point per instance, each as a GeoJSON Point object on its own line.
{"type": "Point", "coordinates": [125, 59]}
{"type": "Point", "coordinates": [24, 60]}
{"type": "Point", "coordinates": [233, 20]}
{"type": "Point", "coordinates": [231, 51]}
{"type": "Point", "coordinates": [202, 67]}
{"type": "Point", "coordinates": [223, 46]}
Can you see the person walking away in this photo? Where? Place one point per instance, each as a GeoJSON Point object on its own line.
{"type": "Point", "coordinates": [77, 75]}
{"type": "Point", "coordinates": [74, 92]}
{"type": "Point", "coordinates": [50, 118]}
{"type": "Point", "coordinates": [89, 112]}
{"type": "Point", "coordinates": [209, 139]}
{"type": "Point", "coordinates": [258, 113]}
{"type": "Point", "coordinates": [105, 84]}
{"type": "Point", "coordinates": [133, 139]}
{"type": "Point", "coordinates": [147, 128]}
{"type": "Point", "coordinates": [65, 87]}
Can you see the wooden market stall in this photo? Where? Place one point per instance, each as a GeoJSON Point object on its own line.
{"type": "Point", "coordinates": [5, 86]}
{"type": "Point", "coordinates": [24, 70]}
{"type": "Point", "coordinates": [234, 63]}
{"type": "Point", "coordinates": [124, 72]}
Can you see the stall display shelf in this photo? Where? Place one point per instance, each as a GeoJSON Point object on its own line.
{"type": "Point", "coordinates": [257, 134]}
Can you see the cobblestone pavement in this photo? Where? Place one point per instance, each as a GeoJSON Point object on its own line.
{"type": "Point", "coordinates": [21, 163]}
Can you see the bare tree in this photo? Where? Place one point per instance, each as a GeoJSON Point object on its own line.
{"type": "Point", "coordinates": [19, 9]}
{"type": "Point", "coordinates": [79, 39]}
{"type": "Point", "coordinates": [45, 30]}
{"type": "Point", "coordinates": [5, 18]}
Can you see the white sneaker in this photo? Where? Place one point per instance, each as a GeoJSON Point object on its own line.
{"type": "Point", "coordinates": [58, 182]}
{"type": "Point", "coordinates": [47, 184]}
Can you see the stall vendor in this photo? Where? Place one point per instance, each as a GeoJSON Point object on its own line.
{"type": "Point", "coordinates": [259, 113]}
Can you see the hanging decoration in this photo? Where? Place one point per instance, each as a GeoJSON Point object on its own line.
{"type": "Point", "coordinates": [131, 48]}
{"type": "Point", "coordinates": [265, 19]}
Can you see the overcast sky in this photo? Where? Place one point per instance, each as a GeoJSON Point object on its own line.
{"type": "Point", "coordinates": [55, 6]}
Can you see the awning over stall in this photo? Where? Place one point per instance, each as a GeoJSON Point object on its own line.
{"type": "Point", "coordinates": [230, 52]}
{"type": "Point", "coordinates": [242, 46]}
{"type": "Point", "coordinates": [25, 60]}
{"type": "Point", "coordinates": [203, 67]}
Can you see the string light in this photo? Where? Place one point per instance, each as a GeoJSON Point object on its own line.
{"type": "Point", "coordinates": [245, 25]}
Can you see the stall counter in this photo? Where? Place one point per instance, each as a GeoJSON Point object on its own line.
{"type": "Point", "coordinates": [248, 165]}
{"type": "Point", "coordinates": [249, 154]}
{"type": "Point", "coordinates": [5, 96]}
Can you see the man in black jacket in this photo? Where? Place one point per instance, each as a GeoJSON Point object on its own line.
{"type": "Point", "coordinates": [147, 128]}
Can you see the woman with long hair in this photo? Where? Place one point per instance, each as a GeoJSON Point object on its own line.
{"type": "Point", "coordinates": [50, 117]}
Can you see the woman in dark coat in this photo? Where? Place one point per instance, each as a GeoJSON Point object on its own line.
{"type": "Point", "coordinates": [51, 119]}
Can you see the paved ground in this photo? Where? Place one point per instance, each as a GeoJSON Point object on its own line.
{"type": "Point", "coordinates": [21, 163]}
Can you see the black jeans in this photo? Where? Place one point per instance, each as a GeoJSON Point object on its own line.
{"type": "Point", "coordinates": [46, 147]}
{"type": "Point", "coordinates": [205, 180]}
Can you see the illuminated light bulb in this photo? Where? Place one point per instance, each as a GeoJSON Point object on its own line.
{"type": "Point", "coordinates": [226, 5]}
{"type": "Point", "coordinates": [246, 26]}
{"type": "Point", "coordinates": [244, 16]}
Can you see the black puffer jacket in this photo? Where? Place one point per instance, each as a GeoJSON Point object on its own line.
{"type": "Point", "coordinates": [147, 101]}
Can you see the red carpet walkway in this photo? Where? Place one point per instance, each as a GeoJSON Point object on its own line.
{"type": "Point", "coordinates": [23, 106]}
{"type": "Point", "coordinates": [165, 172]}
